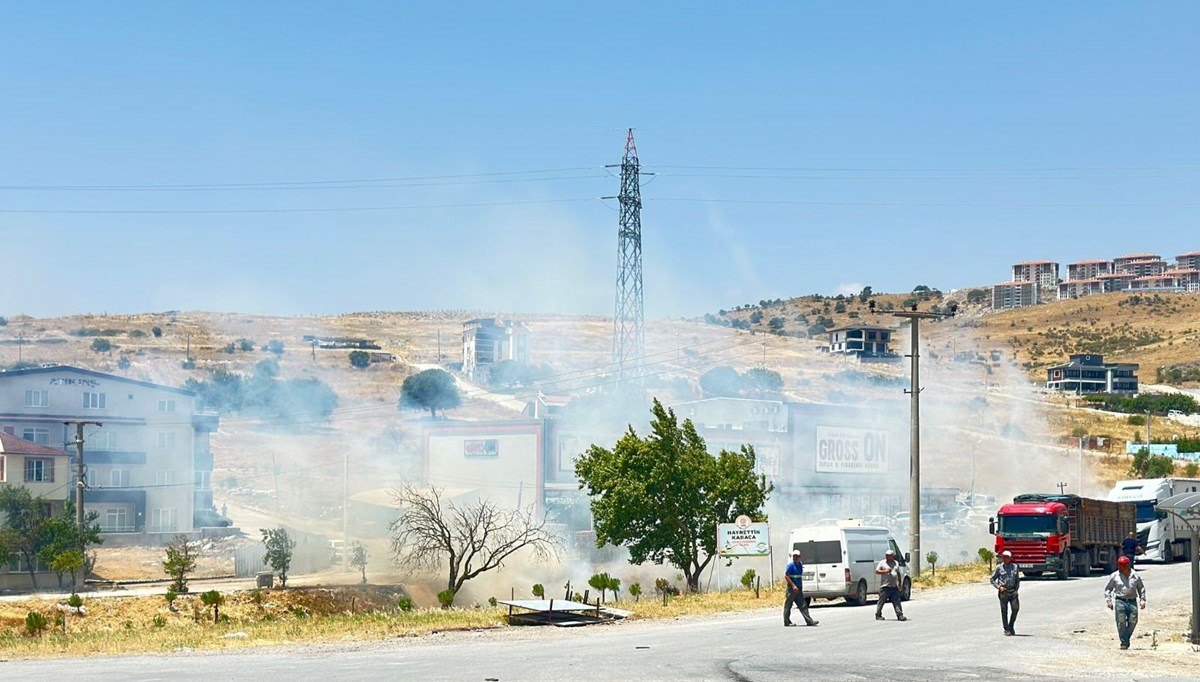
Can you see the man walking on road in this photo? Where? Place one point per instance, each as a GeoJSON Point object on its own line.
{"type": "Point", "coordinates": [1130, 547]}
{"type": "Point", "coordinates": [1007, 580]}
{"type": "Point", "coordinates": [793, 576]}
{"type": "Point", "coordinates": [1125, 593]}
{"type": "Point", "coordinates": [889, 585]}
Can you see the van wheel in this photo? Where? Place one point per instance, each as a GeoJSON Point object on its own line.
{"type": "Point", "coordinates": [906, 590]}
{"type": "Point", "coordinates": [860, 594]}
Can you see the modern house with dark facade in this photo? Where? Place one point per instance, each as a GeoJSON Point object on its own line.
{"type": "Point", "coordinates": [1090, 374]}
{"type": "Point", "coordinates": [864, 340]}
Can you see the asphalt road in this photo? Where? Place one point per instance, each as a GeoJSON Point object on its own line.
{"type": "Point", "coordinates": [1064, 632]}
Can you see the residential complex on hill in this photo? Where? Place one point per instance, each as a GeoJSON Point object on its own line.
{"type": "Point", "coordinates": [1035, 282]}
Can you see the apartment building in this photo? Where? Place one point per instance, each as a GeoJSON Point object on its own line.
{"type": "Point", "coordinates": [1077, 288]}
{"type": "Point", "coordinates": [1116, 281]}
{"type": "Point", "coordinates": [489, 340]}
{"type": "Point", "coordinates": [1016, 294]}
{"type": "Point", "coordinates": [148, 465]}
{"type": "Point", "coordinates": [1188, 261]}
{"type": "Point", "coordinates": [1147, 267]}
{"type": "Point", "coordinates": [1042, 272]}
{"type": "Point", "coordinates": [1088, 269]}
{"type": "Point", "coordinates": [1163, 282]}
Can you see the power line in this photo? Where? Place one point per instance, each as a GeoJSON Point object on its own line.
{"type": "Point", "coordinates": [298, 184]}
{"type": "Point", "coordinates": [900, 204]}
{"type": "Point", "coordinates": [331, 209]}
{"type": "Point", "coordinates": [929, 169]}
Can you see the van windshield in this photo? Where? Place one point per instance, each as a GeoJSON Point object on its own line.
{"type": "Point", "coordinates": [823, 552]}
{"type": "Point", "coordinates": [1040, 523]}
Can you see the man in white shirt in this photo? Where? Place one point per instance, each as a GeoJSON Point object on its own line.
{"type": "Point", "coordinates": [889, 585]}
{"type": "Point", "coordinates": [1007, 581]}
{"type": "Point", "coordinates": [1125, 593]}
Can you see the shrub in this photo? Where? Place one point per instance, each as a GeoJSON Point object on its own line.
{"type": "Point", "coordinates": [445, 598]}
{"type": "Point", "coordinates": [1191, 470]}
{"type": "Point", "coordinates": [492, 601]}
{"type": "Point", "coordinates": [213, 599]}
{"type": "Point", "coordinates": [359, 359]}
{"type": "Point", "coordinates": [300, 612]}
{"type": "Point", "coordinates": [156, 331]}
{"type": "Point", "coordinates": [986, 555]}
{"type": "Point", "coordinates": [748, 578]}
{"type": "Point", "coordinates": [136, 333]}
{"type": "Point", "coordinates": [160, 622]}
{"type": "Point", "coordinates": [35, 623]}
{"type": "Point", "coordinates": [932, 559]}
{"type": "Point", "coordinates": [74, 601]}
{"type": "Point", "coordinates": [635, 591]}
{"type": "Point", "coordinates": [245, 345]}
{"type": "Point", "coordinates": [539, 590]}
{"type": "Point", "coordinates": [101, 345]}
{"type": "Point", "coordinates": [3, 321]}
{"type": "Point", "coordinates": [404, 604]}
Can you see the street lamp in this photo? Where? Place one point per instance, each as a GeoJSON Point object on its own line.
{"type": "Point", "coordinates": [914, 437]}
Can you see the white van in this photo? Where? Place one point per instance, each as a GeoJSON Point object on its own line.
{"type": "Point", "coordinates": [839, 561]}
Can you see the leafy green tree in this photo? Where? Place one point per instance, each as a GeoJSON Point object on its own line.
{"type": "Point", "coordinates": [466, 540]}
{"type": "Point", "coordinates": [864, 295]}
{"type": "Point", "coordinates": [662, 496]}
{"type": "Point", "coordinates": [156, 331]}
{"type": "Point", "coordinates": [280, 546]}
{"type": "Point", "coordinates": [64, 544]}
{"type": "Point", "coordinates": [23, 532]}
{"type": "Point", "coordinates": [599, 582]}
{"type": "Point", "coordinates": [750, 574]}
{"type": "Point", "coordinates": [179, 562]}
{"type": "Point", "coordinates": [432, 389]}
{"type": "Point", "coordinates": [723, 381]}
{"type": "Point", "coordinates": [360, 359]}
{"type": "Point", "coordinates": [761, 382]}
{"type": "Point", "coordinates": [539, 590]}
{"type": "Point", "coordinates": [932, 558]}
{"type": "Point", "coordinates": [635, 591]}
{"type": "Point", "coordinates": [358, 558]}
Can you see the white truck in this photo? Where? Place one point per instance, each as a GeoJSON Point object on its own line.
{"type": "Point", "coordinates": [1163, 536]}
{"type": "Point", "coordinates": [839, 560]}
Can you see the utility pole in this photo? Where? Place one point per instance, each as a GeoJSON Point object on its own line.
{"type": "Point", "coordinates": [914, 432]}
{"type": "Point", "coordinates": [629, 338]}
{"type": "Point", "coordinates": [345, 509]}
{"type": "Point", "coordinates": [275, 471]}
{"type": "Point", "coordinates": [439, 346]}
{"type": "Point", "coordinates": [80, 471]}
{"type": "Point", "coordinates": [1062, 487]}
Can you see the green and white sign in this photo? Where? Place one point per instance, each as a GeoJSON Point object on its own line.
{"type": "Point", "coordinates": [743, 538]}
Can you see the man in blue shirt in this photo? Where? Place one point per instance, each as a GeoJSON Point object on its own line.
{"type": "Point", "coordinates": [793, 576]}
{"type": "Point", "coordinates": [1130, 547]}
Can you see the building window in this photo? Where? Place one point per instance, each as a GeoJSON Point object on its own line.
{"type": "Point", "coordinates": [109, 440]}
{"type": "Point", "coordinates": [93, 478]}
{"type": "Point", "coordinates": [163, 520]}
{"type": "Point", "coordinates": [39, 470]}
{"type": "Point", "coordinates": [94, 401]}
{"type": "Point", "coordinates": [164, 477]}
{"type": "Point", "coordinates": [39, 436]}
{"type": "Point", "coordinates": [116, 520]}
{"type": "Point", "coordinates": [166, 406]}
{"type": "Point", "coordinates": [119, 478]}
{"type": "Point", "coordinates": [203, 479]}
{"type": "Point", "coordinates": [37, 398]}
{"type": "Point", "coordinates": [166, 440]}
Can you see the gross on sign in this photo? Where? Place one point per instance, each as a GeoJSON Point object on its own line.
{"type": "Point", "coordinates": [848, 450]}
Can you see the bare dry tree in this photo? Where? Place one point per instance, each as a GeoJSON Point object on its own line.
{"type": "Point", "coordinates": [468, 539]}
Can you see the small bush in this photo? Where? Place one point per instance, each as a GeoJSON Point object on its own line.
{"type": "Point", "coordinates": [986, 555]}
{"type": "Point", "coordinates": [3, 321]}
{"type": "Point", "coordinates": [300, 612]}
{"type": "Point", "coordinates": [748, 578]}
{"type": "Point", "coordinates": [137, 334]}
{"type": "Point", "coordinates": [635, 591]}
{"type": "Point", "coordinates": [492, 601]}
{"type": "Point", "coordinates": [445, 598]}
{"type": "Point", "coordinates": [245, 345]}
{"type": "Point", "coordinates": [539, 590]}
{"type": "Point", "coordinates": [404, 604]}
{"type": "Point", "coordinates": [101, 345]}
{"type": "Point", "coordinates": [75, 601]}
{"type": "Point", "coordinates": [160, 622]}
{"type": "Point", "coordinates": [128, 625]}
{"type": "Point", "coordinates": [359, 359]}
{"type": "Point", "coordinates": [274, 346]}
{"type": "Point", "coordinates": [156, 331]}
{"type": "Point", "coordinates": [35, 623]}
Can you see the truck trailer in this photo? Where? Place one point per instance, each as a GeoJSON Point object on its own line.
{"type": "Point", "coordinates": [1067, 535]}
{"type": "Point", "coordinates": [1163, 536]}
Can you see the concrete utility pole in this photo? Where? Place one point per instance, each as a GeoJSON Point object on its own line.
{"type": "Point", "coordinates": [80, 471]}
{"type": "Point", "coordinates": [914, 434]}
{"type": "Point", "coordinates": [345, 509]}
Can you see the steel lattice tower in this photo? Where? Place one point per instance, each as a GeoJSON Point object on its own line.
{"type": "Point", "coordinates": [629, 338]}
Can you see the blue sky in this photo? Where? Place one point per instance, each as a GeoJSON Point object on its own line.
{"type": "Point", "coordinates": [883, 144]}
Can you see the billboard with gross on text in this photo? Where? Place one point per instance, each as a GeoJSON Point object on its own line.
{"type": "Point", "coordinates": [850, 450]}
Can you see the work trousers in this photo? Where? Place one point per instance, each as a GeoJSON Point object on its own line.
{"type": "Point", "coordinates": [1127, 617]}
{"type": "Point", "coordinates": [795, 597]}
{"type": "Point", "coordinates": [1010, 604]}
{"type": "Point", "coordinates": [889, 595]}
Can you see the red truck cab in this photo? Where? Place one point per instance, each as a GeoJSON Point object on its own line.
{"type": "Point", "coordinates": [1037, 534]}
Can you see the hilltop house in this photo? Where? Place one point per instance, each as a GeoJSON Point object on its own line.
{"type": "Point", "coordinates": [1090, 374]}
{"type": "Point", "coordinates": [488, 340]}
{"type": "Point", "coordinates": [863, 340]}
{"type": "Point", "coordinates": [146, 448]}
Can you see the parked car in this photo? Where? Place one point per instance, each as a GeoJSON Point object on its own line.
{"type": "Point", "coordinates": [210, 518]}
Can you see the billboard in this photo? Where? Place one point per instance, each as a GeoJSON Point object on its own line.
{"type": "Point", "coordinates": [849, 450]}
{"type": "Point", "coordinates": [743, 538]}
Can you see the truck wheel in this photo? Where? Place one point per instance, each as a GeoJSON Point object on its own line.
{"type": "Point", "coordinates": [1168, 553]}
{"type": "Point", "coordinates": [860, 594]}
{"type": "Point", "coordinates": [906, 590]}
{"type": "Point", "coordinates": [1066, 566]}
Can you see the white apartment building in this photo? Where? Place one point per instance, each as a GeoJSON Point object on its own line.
{"type": "Point", "coordinates": [1014, 295]}
{"type": "Point", "coordinates": [1088, 269]}
{"type": "Point", "coordinates": [1188, 261]}
{"type": "Point", "coordinates": [148, 465]}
